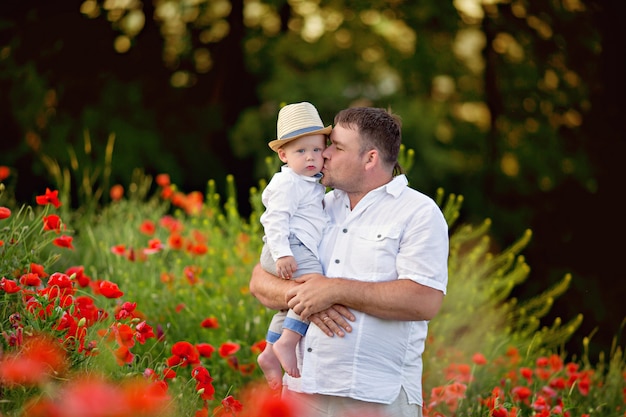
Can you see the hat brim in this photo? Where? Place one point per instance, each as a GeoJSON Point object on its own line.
{"type": "Point", "coordinates": [278, 143]}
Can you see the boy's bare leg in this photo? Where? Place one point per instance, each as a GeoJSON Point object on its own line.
{"type": "Point", "coordinates": [285, 350]}
{"type": "Point", "coordinates": [270, 365]}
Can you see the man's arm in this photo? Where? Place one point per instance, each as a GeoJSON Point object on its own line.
{"type": "Point", "coordinates": [271, 292]}
{"type": "Point", "coordinates": [269, 289]}
{"type": "Point", "coordinates": [401, 299]}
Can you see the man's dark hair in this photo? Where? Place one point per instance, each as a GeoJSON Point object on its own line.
{"type": "Point", "coordinates": [379, 129]}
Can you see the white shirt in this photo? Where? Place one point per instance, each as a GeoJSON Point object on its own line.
{"type": "Point", "coordinates": [394, 232]}
{"type": "Point", "coordinates": [293, 205]}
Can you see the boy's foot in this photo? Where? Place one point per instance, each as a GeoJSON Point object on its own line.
{"type": "Point", "coordinates": [270, 365]}
{"type": "Point", "coordinates": [285, 351]}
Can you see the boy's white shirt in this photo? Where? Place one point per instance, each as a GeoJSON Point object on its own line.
{"type": "Point", "coordinates": [294, 206]}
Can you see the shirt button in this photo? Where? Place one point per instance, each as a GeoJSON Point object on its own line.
{"type": "Point", "coordinates": [336, 261]}
{"type": "Point", "coordinates": [309, 350]}
{"type": "Point", "coordinates": [379, 236]}
{"type": "Point", "coordinates": [345, 230]}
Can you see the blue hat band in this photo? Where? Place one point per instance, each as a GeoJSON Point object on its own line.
{"type": "Point", "coordinates": [301, 131]}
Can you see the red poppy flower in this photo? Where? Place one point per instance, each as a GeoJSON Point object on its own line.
{"type": "Point", "coordinates": [143, 332]}
{"type": "Point", "coordinates": [147, 227]}
{"type": "Point", "coordinates": [191, 272]}
{"type": "Point", "coordinates": [60, 280]}
{"type": "Point", "coordinates": [171, 224]}
{"type": "Point", "coordinates": [9, 286]}
{"type": "Point", "coordinates": [479, 359]}
{"type": "Point", "coordinates": [78, 274]}
{"type": "Point", "coordinates": [38, 358]}
{"type": "Point", "coordinates": [119, 250]}
{"type": "Point", "coordinates": [205, 349]}
{"type": "Point", "coordinates": [205, 382]}
{"type": "Point", "coordinates": [264, 401]}
{"type": "Point", "coordinates": [231, 405]}
{"type": "Point", "coordinates": [521, 393]}
{"type": "Point", "coordinates": [201, 374]}
{"type": "Point", "coordinates": [169, 373]}
{"type": "Point", "coordinates": [584, 383]}
{"type": "Point", "coordinates": [198, 249]}
{"type": "Point", "coordinates": [175, 241]}
{"type": "Point", "coordinates": [204, 412]}
{"type": "Point", "coordinates": [86, 308]}
{"type": "Point", "coordinates": [162, 180]}
{"type": "Point", "coordinates": [38, 269]}
{"type": "Point", "coordinates": [167, 192]}
{"type": "Point", "coordinates": [5, 171]}
{"type": "Point", "coordinates": [228, 349]}
{"type": "Point", "coordinates": [124, 355]}
{"type": "Point", "coordinates": [146, 398]}
{"type": "Point", "coordinates": [258, 347]}
{"type": "Point", "coordinates": [183, 354]}
{"type": "Point", "coordinates": [499, 412]}
{"type": "Point", "coordinates": [247, 368]}
{"type": "Point", "coordinates": [52, 222]}
{"type": "Point", "coordinates": [30, 280]}
{"type": "Point", "coordinates": [110, 289]}
{"type": "Point", "coordinates": [64, 242]}
{"type": "Point", "coordinates": [116, 192]}
{"type": "Point", "coordinates": [125, 310]}
{"type": "Point", "coordinates": [50, 197]}
{"type": "Point", "coordinates": [5, 213]}
{"type": "Point", "coordinates": [210, 323]}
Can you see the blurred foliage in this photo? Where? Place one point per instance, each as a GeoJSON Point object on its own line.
{"type": "Point", "coordinates": [506, 102]}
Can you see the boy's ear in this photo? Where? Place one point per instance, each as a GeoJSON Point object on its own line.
{"type": "Point", "coordinates": [282, 155]}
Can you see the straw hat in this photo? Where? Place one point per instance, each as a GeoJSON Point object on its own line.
{"type": "Point", "coordinates": [297, 120]}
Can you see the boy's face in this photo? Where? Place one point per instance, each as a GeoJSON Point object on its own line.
{"type": "Point", "coordinates": [304, 155]}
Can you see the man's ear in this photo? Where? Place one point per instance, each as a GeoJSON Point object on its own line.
{"type": "Point", "coordinates": [372, 159]}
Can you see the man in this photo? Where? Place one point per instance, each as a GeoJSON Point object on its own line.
{"type": "Point", "coordinates": [385, 259]}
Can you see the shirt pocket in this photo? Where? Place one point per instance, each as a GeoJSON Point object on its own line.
{"type": "Point", "coordinates": [375, 249]}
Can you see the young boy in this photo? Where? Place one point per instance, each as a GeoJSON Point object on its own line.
{"type": "Point", "coordinates": [293, 221]}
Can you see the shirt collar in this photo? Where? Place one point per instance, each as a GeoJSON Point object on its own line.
{"type": "Point", "coordinates": [393, 187]}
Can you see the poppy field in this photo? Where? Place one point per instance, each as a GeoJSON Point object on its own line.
{"type": "Point", "coordinates": [140, 307]}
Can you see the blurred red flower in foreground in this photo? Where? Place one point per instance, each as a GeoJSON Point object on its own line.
{"type": "Point", "coordinates": [97, 397]}
{"type": "Point", "coordinates": [36, 361]}
{"type": "Point", "coordinates": [260, 401]}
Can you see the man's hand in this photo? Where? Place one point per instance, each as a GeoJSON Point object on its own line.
{"type": "Point", "coordinates": [333, 321]}
{"type": "Point", "coordinates": [312, 295]}
{"type": "Point", "coordinates": [400, 299]}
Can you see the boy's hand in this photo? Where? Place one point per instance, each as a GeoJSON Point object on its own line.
{"type": "Point", "coordinates": [286, 266]}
